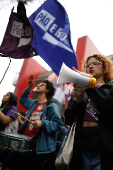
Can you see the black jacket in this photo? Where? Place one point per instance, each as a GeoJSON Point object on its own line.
{"type": "Point", "coordinates": [103, 99]}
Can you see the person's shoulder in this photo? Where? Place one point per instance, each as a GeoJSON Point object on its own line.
{"type": "Point", "coordinates": [53, 104]}
{"type": "Point", "coordinates": [13, 107]}
{"type": "Point", "coordinates": [109, 83]}
{"type": "Point", "coordinates": [50, 103]}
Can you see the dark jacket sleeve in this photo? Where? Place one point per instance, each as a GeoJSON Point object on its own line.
{"type": "Point", "coordinates": [73, 110]}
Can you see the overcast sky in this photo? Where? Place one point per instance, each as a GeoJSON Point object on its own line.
{"type": "Point", "coordinates": [87, 17]}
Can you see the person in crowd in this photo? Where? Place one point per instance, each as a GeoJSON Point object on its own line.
{"type": "Point", "coordinates": [8, 119]}
{"type": "Point", "coordinates": [44, 123]}
{"type": "Point", "coordinates": [93, 112]}
{"type": "Point", "coordinates": [13, 156]}
{"type": "Point", "coordinates": [20, 118]}
{"type": "Point", "coordinates": [61, 134]}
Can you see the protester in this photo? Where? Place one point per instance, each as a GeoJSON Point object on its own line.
{"type": "Point", "coordinates": [8, 119]}
{"type": "Point", "coordinates": [93, 112]}
{"type": "Point", "coordinates": [45, 122]}
{"type": "Point", "coordinates": [61, 134]}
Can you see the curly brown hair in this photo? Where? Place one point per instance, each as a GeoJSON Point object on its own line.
{"type": "Point", "coordinates": [107, 65]}
{"type": "Point", "coordinates": [50, 86]}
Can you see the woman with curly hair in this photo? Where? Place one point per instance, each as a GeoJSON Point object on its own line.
{"type": "Point", "coordinates": [93, 112]}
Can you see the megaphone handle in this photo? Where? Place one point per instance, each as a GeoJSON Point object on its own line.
{"type": "Point", "coordinates": [75, 98]}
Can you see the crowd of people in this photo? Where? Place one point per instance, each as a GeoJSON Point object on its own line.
{"type": "Point", "coordinates": [92, 111]}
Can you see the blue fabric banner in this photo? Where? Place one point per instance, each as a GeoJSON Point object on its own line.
{"type": "Point", "coordinates": [52, 36]}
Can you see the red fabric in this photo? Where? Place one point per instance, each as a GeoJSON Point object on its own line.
{"type": "Point", "coordinates": [35, 115]}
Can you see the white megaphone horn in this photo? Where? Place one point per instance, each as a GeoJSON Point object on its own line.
{"type": "Point", "coordinates": [68, 75]}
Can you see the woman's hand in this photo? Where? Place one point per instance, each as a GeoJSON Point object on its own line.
{"type": "Point", "coordinates": [78, 93]}
{"type": "Point", "coordinates": [37, 124]}
{"type": "Point", "coordinates": [30, 81]}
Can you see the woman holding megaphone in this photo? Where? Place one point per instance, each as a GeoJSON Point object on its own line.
{"type": "Point", "coordinates": [92, 108]}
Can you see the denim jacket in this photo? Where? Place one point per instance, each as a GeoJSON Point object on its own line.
{"type": "Point", "coordinates": [51, 123]}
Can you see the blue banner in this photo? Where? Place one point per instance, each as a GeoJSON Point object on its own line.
{"type": "Point", "coordinates": [52, 35]}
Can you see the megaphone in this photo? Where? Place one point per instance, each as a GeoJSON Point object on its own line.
{"type": "Point", "coordinates": [68, 75]}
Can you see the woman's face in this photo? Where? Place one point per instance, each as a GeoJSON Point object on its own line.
{"type": "Point", "coordinates": [95, 67]}
{"type": "Point", "coordinates": [6, 98]}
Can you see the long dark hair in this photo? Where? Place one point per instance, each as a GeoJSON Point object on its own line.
{"type": "Point", "coordinates": [12, 100]}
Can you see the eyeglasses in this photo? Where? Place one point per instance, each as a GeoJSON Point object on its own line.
{"type": "Point", "coordinates": [94, 63]}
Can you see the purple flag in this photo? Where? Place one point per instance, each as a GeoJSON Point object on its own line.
{"type": "Point", "coordinates": [17, 41]}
